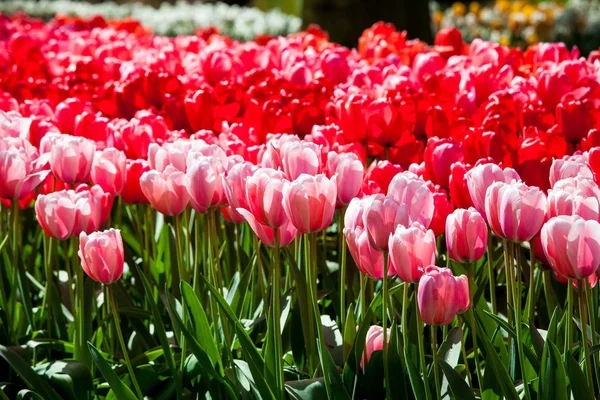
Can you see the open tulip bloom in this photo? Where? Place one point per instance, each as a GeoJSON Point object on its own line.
{"type": "Point", "coordinates": [197, 217]}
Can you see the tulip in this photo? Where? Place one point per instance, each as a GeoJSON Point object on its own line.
{"type": "Point", "coordinates": [71, 158]}
{"type": "Point", "coordinates": [514, 210]}
{"type": "Point", "coordinates": [450, 37]}
{"type": "Point", "coordinates": [234, 186]}
{"type": "Point", "coordinates": [412, 192]}
{"type": "Point", "coordinates": [309, 202]}
{"type": "Point", "coordinates": [132, 191]}
{"type": "Point", "coordinates": [174, 154]}
{"type": "Point", "coordinates": [411, 250]}
{"type": "Point", "coordinates": [21, 171]}
{"type": "Point", "coordinates": [442, 208]}
{"type": "Point", "coordinates": [381, 216]}
{"type": "Point", "coordinates": [466, 235]}
{"type": "Point", "coordinates": [166, 191]}
{"type": "Point", "coordinates": [481, 177]}
{"type": "Point", "coordinates": [368, 260]}
{"type": "Point", "coordinates": [300, 158]}
{"type": "Point", "coordinates": [205, 184]}
{"type": "Point", "coordinates": [577, 195]}
{"type": "Point", "coordinates": [109, 170]}
{"type": "Point", "coordinates": [562, 169]}
{"type": "Point", "coordinates": [379, 175]}
{"type": "Point", "coordinates": [441, 295]}
{"type": "Point", "coordinates": [373, 342]}
{"type": "Point", "coordinates": [56, 213]}
{"type": "Point", "coordinates": [572, 246]}
{"type": "Point", "coordinates": [94, 207]}
{"type": "Point", "coordinates": [264, 191]}
{"type": "Point", "coordinates": [285, 234]}
{"type": "Point", "coordinates": [101, 255]}
{"type": "Point", "coordinates": [349, 171]}
{"type": "Point", "coordinates": [439, 155]}
{"type": "Point", "coordinates": [458, 188]}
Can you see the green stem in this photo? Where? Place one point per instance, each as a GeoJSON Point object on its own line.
{"type": "Point", "coordinates": [421, 343]}
{"type": "Point", "coordinates": [343, 255]}
{"type": "Point", "coordinates": [519, 314]}
{"type": "Point", "coordinates": [182, 274]}
{"type": "Point", "coordinates": [216, 269]}
{"type": "Point", "coordinates": [592, 315]}
{"type": "Point", "coordinates": [311, 348]}
{"type": "Point", "coordinates": [276, 313]}
{"type": "Point", "coordinates": [583, 314]}
{"type": "Point", "coordinates": [384, 303]}
{"type": "Point", "coordinates": [531, 289]}
{"type": "Point", "coordinates": [122, 342]}
{"type": "Point", "coordinates": [463, 351]}
{"type": "Point", "coordinates": [492, 274]}
{"type": "Point", "coordinates": [363, 300]}
{"type": "Point", "coordinates": [210, 276]}
{"type": "Point", "coordinates": [405, 313]}
{"type": "Point", "coordinates": [436, 366]}
{"type": "Point", "coordinates": [508, 267]}
{"type": "Point", "coordinates": [569, 321]}
{"type": "Point", "coordinates": [473, 322]}
{"type": "Point", "coordinates": [261, 279]}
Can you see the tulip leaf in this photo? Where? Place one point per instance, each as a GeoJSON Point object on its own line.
{"type": "Point", "coordinates": [333, 382]}
{"type": "Point", "coordinates": [200, 324]}
{"type": "Point", "coordinates": [578, 383]}
{"type": "Point", "coordinates": [459, 387]}
{"type": "Point", "coordinates": [158, 323]}
{"type": "Point", "coordinates": [308, 389]}
{"type": "Point", "coordinates": [398, 389]}
{"type": "Point", "coordinates": [121, 390]}
{"type": "Point", "coordinates": [553, 381]}
{"type": "Point", "coordinates": [28, 394]}
{"type": "Point", "coordinates": [349, 331]}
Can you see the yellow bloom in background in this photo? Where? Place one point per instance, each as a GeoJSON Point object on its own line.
{"type": "Point", "coordinates": [459, 9]}
{"type": "Point", "coordinates": [437, 17]}
{"type": "Point", "coordinates": [504, 40]}
{"type": "Point", "coordinates": [503, 5]}
{"type": "Point", "coordinates": [475, 7]}
{"type": "Point", "coordinates": [517, 5]}
{"type": "Point", "coordinates": [532, 38]}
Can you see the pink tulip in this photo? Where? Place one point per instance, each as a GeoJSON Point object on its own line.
{"type": "Point", "coordinates": [101, 255]}
{"type": "Point", "coordinates": [21, 171]}
{"type": "Point", "coordinates": [572, 246]}
{"type": "Point", "coordinates": [271, 156]}
{"type": "Point", "coordinates": [381, 216]}
{"type": "Point", "coordinates": [109, 170]}
{"type": "Point", "coordinates": [234, 185]}
{"type": "Point", "coordinates": [309, 202]}
{"type": "Point", "coordinates": [174, 154]}
{"type": "Point", "coordinates": [56, 213]}
{"type": "Point", "coordinates": [205, 184]}
{"type": "Point", "coordinates": [368, 260]}
{"type": "Point", "coordinates": [301, 158]}
{"type": "Point", "coordinates": [350, 172]}
{"type": "Point", "coordinates": [515, 211]}
{"type": "Point", "coordinates": [71, 158]}
{"type": "Point", "coordinates": [577, 195]}
{"type": "Point", "coordinates": [93, 208]}
{"type": "Point", "coordinates": [166, 191]}
{"type": "Point", "coordinates": [441, 295]}
{"type": "Point", "coordinates": [412, 192]}
{"type": "Point", "coordinates": [354, 213]}
{"type": "Point", "coordinates": [439, 155]}
{"type": "Point", "coordinates": [373, 342]}
{"type": "Point", "coordinates": [265, 197]}
{"type": "Point", "coordinates": [411, 250]}
{"type": "Point", "coordinates": [562, 169]}
{"type": "Point", "coordinates": [285, 234]}
{"type": "Point", "coordinates": [466, 235]}
{"type": "Point", "coordinates": [481, 177]}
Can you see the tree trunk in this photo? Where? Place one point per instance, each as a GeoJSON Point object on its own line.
{"type": "Point", "coordinates": [345, 20]}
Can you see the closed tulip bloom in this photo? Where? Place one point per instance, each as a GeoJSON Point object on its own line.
{"type": "Point", "coordinates": [174, 154]}
{"type": "Point", "coordinates": [562, 169]}
{"type": "Point", "coordinates": [408, 189]}
{"type": "Point", "coordinates": [93, 208]}
{"type": "Point", "coordinates": [57, 213]}
{"type": "Point", "coordinates": [101, 255]}
{"type": "Point", "coordinates": [354, 213]}
{"type": "Point", "coordinates": [481, 177]}
{"type": "Point", "coordinates": [515, 211]}
{"type": "Point", "coordinates": [373, 342]}
{"type": "Point", "coordinates": [441, 295]}
{"type": "Point", "coordinates": [309, 202]}
{"type": "Point", "coordinates": [264, 190]}
{"type": "Point", "coordinates": [109, 170]}
{"type": "Point", "coordinates": [572, 245]}
{"type": "Point", "coordinates": [205, 184]}
{"type": "Point", "coordinates": [301, 158]}
{"type": "Point", "coordinates": [368, 260]}
{"type": "Point", "coordinates": [439, 155]}
{"type": "Point", "coordinates": [379, 175]}
{"type": "Point", "coordinates": [21, 171]}
{"type": "Point", "coordinates": [411, 250]}
{"type": "Point", "coordinates": [576, 195]}
{"type": "Point", "coordinates": [349, 171]}
{"type": "Point", "coordinates": [166, 191]}
{"type": "Point", "coordinates": [71, 158]}
{"type": "Point", "coordinates": [285, 233]}
{"type": "Point", "coordinates": [132, 191]}
{"type": "Point", "coordinates": [466, 235]}
{"type": "Point", "coordinates": [381, 216]}
{"type": "Point", "coordinates": [234, 185]}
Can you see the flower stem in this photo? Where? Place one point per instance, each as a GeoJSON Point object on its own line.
{"type": "Point", "coordinates": [569, 321]}
{"type": "Point", "coordinates": [463, 351]}
{"type": "Point", "coordinates": [421, 343]}
{"type": "Point", "coordinates": [122, 342]}
{"type": "Point", "coordinates": [276, 313]}
{"type": "Point", "coordinates": [405, 313]}
{"type": "Point", "coordinates": [592, 316]}
{"type": "Point", "coordinates": [436, 366]}
{"type": "Point", "coordinates": [384, 303]}
{"type": "Point", "coordinates": [473, 323]}
{"type": "Point", "coordinates": [343, 255]}
{"type": "Point", "coordinates": [492, 274]}
{"type": "Point", "coordinates": [519, 316]}
{"type": "Point", "coordinates": [583, 314]}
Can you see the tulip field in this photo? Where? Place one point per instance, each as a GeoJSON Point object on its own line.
{"type": "Point", "coordinates": [286, 218]}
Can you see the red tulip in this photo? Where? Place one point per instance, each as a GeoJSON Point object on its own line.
{"type": "Point", "coordinates": [132, 191]}
{"type": "Point", "coordinates": [379, 175]}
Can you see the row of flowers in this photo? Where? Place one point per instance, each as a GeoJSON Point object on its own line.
{"type": "Point", "coordinates": [179, 18]}
{"type": "Point", "coordinates": [223, 165]}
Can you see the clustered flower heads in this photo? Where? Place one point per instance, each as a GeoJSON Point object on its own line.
{"type": "Point", "coordinates": [213, 158]}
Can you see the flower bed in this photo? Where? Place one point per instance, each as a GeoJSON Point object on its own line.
{"type": "Point", "coordinates": [197, 216]}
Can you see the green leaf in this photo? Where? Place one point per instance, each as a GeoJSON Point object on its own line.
{"type": "Point", "coordinates": [333, 382]}
{"type": "Point", "coordinates": [71, 378]}
{"type": "Point", "coordinates": [116, 384]}
{"type": "Point", "coordinates": [398, 389]}
{"type": "Point", "coordinates": [31, 379]}
{"type": "Point", "coordinates": [459, 387]}
{"type": "Point", "coordinates": [552, 381]}
{"type": "Point", "coordinates": [578, 383]}
{"type": "Point", "coordinates": [349, 331]}
{"type": "Point", "coordinates": [158, 323]}
{"type": "Point", "coordinates": [200, 323]}
{"type": "Point", "coordinates": [28, 394]}
{"type": "Point", "coordinates": [307, 389]}
{"type": "Point", "coordinates": [416, 380]}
